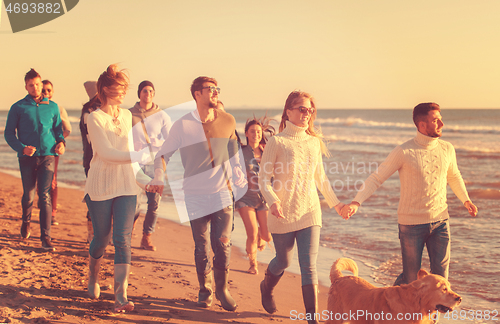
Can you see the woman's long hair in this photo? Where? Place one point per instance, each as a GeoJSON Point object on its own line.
{"type": "Point", "coordinates": [108, 78]}
{"type": "Point", "coordinates": [293, 97]}
{"type": "Point", "coordinates": [263, 122]}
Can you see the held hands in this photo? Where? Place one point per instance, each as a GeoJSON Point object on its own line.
{"type": "Point", "coordinates": [276, 210]}
{"type": "Point", "coordinates": [349, 210]}
{"type": "Point", "coordinates": [29, 150]}
{"type": "Point", "coordinates": [156, 185]}
{"type": "Point", "coordinates": [471, 208]}
{"type": "Point", "coordinates": [338, 208]}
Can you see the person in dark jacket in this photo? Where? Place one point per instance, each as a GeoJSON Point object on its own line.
{"type": "Point", "coordinates": [88, 107]}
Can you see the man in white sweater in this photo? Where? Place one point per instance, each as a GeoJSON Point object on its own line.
{"type": "Point", "coordinates": [206, 141]}
{"type": "Point", "coordinates": [426, 164]}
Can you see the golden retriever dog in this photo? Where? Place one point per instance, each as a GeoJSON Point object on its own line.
{"type": "Point", "coordinates": [354, 300]}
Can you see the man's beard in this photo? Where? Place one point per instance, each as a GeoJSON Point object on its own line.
{"type": "Point", "coordinates": [212, 105]}
{"type": "Point", "coordinates": [436, 134]}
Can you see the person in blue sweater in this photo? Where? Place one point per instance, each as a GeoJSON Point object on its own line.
{"type": "Point", "coordinates": [34, 131]}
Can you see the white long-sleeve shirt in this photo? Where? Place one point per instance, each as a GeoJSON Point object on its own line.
{"type": "Point", "coordinates": [293, 158]}
{"type": "Point", "coordinates": [112, 173]}
{"type": "Point", "coordinates": [425, 165]}
{"type": "Point", "coordinates": [157, 125]}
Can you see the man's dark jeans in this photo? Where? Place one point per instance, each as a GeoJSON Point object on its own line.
{"type": "Point", "coordinates": [211, 229]}
{"type": "Point", "coordinates": [37, 170]}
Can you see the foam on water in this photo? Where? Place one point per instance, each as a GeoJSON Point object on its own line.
{"type": "Point", "coordinates": [355, 122]}
{"type": "Point", "coordinates": [370, 237]}
{"type": "Point", "coordinates": [484, 193]}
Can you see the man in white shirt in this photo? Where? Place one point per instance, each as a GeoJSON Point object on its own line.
{"type": "Point", "coordinates": [207, 144]}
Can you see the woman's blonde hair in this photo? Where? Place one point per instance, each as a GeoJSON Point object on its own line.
{"type": "Point", "coordinates": [111, 76]}
{"type": "Point", "coordinates": [293, 97]}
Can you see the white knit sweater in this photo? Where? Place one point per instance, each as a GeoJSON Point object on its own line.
{"type": "Point", "coordinates": [426, 165]}
{"type": "Point", "coordinates": [293, 158]}
{"type": "Point", "coordinates": [111, 171]}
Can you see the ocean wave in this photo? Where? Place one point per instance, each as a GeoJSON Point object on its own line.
{"type": "Point", "coordinates": [483, 184]}
{"type": "Point", "coordinates": [359, 122]}
{"type": "Point", "coordinates": [484, 193]}
{"type": "Point", "coordinates": [473, 129]}
{"type": "Point", "coordinates": [363, 140]}
{"type": "Point", "coordinates": [465, 150]}
{"type": "Point", "coordinates": [356, 122]}
{"type": "Point", "coordinates": [477, 152]}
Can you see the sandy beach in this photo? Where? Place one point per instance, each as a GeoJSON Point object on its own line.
{"type": "Point", "coordinates": [43, 287]}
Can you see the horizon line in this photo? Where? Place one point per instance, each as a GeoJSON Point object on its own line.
{"type": "Point", "coordinates": [319, 108]}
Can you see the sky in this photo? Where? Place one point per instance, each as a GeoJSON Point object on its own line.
{"type": "Point", "coordinates": [346, 53]}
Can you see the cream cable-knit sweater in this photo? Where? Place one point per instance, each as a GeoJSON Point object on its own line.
{"type": "Point", "coordinates": [425, 166]}
{"type": "Point", "coordinates": [111, 171]}
{"type": "Point", "coordinates": [293, 158]}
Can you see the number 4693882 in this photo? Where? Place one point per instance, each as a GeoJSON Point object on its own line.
{"type": "Point", "coordinates": [33, 8]}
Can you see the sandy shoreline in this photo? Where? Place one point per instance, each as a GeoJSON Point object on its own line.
{"type": "Point", "coordinates": [41, 287]}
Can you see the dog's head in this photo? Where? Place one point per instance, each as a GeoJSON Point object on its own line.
{"type": "Point", "coordinates": [435, 292]}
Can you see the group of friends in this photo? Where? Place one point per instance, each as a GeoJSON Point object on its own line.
{"type": "Point", "coordinates": [280, 173]}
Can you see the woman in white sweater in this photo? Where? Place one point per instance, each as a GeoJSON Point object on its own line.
{"type": "Point", "coordinates": [293, 159]}
{"type": "Point", "coordinates": [111, 188]}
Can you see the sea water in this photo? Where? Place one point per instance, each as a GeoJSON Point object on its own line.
{"type": "Point", "coordinates": [359, 141]}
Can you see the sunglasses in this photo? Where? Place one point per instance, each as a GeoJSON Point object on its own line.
{"type": "Point", "coordinates": [212, 89]}
{"type": "Point", "coordinates": [304, 110]}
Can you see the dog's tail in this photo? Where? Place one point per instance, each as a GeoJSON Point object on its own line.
{"type": "Point", "coordinates": [340, 265]}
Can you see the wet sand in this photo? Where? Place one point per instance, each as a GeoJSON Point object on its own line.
{"type": "Point", "coordinates": [50, 287]}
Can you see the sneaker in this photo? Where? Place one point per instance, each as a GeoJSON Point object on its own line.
{"type": "Point", "coordinates": [25, 230]}
{"type": "Point", "coordinates": [47, 245]}
{"type": "Point", "coordinates": [54, 222]}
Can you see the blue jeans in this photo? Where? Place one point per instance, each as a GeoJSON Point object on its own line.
{"type": "Point", "coordinates": [37, 170]}
{"type": "Point", "coordinates": [436, 236]}
{"type": "Point", "coordinates": [151, 214]}
{"type": "Point", "coordinates": [307, 247]}
{"type": "Point", "coordinates": [213, 229]}
{"type": "Point", "coordinates": [119, 212]}
{"type": "Point", "coordinates": [86, 175]}
{"type": "Point", "coordinates": [153, 204]}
